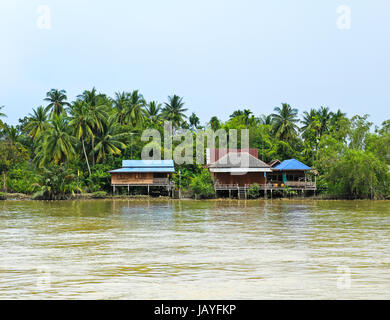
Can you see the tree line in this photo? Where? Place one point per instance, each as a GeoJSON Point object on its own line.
{"type": "Point", "coordinates": [64, 147]}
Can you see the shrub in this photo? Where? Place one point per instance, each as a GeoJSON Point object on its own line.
{"type": "Point", "coordinates": [3, 196]}
{"type": "Point", "coordinates": [202, 185]}
{"type": "Point", "coordinates": [22, 180]}
{"type": "Point", "coordinates": [99, 194]}
{"type": "Point", "coordinates": [99, 178]}
{"type": "Point", "coordinates": [254, 191]}
{"type": "Point", "coordinates": [56, 183]}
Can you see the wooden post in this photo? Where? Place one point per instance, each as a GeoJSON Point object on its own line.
{"type": "Point", "coordinates": [128, 190]}
{"type": "Point", "coordinates": [113, 190]}
{"type": "Point", "coordinates": [148, 189]}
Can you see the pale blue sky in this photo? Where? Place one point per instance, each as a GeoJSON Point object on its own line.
{"type": "Point", "coordinates": [218, 55]}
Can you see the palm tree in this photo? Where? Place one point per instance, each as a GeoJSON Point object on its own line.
{"type": "Point", "coordinates": [336, 118]}
{"type": "Point", "coordinates": [135, 114]}
{"type": "Point", "coordinates": [265, 119]}
{"type": "Point", "coordinates": [89, 97]}
{"type": "Point", "coordinates": [83, 122]}
{"type": "Point", "coordinates": [120, 104]}
{"type": "Point", "coordinates": [246, 117]}
{"type": "Point", "coordinates": [152, 112]}
{"type": "Point", "coordinates": [110, 141]}
{"type": "Point", "coordinates": [57, 99]}
{"type": "Point", "coordinates": [37, 122]}
{"type": "Point", "coordinates": [194, 121]}
{"type": "Point", "coordinates": [97, 110]}
{"type": "Point", "coordinates": [215, 124]}
{"type": "Point", "coordinates": [11, 134]}
{"type": "Point", "coordinates": [237, 113]}
{"type": "Point", "coordinates": [324, 117]}
{"type": "Point", "coordinates": [174, 110]}
{"type": "Point", "coordinates": [2, 115]}
{"type": "Point", "coordinates": [308, 119]}
{"type": "Point", "coordinates": [57, 144]}
{"type": "Point", "coordinates": [285, 120]}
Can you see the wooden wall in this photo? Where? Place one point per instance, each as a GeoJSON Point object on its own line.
{"type": "Point", "coordinates": [241, 180]}
{"type": "Point", "coordinates": [134, 178]}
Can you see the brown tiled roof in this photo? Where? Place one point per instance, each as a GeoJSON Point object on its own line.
{"type": "Point", "coordinates": [239, 160]}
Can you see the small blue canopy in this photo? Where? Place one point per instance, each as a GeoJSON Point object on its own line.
{"type": "Point", "coordinates": [291, 164]}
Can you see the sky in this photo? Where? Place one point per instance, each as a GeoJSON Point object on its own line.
{"type": "Point", "coordinates": [218, 55]}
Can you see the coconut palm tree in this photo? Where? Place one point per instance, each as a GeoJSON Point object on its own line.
{"type": "Point", "coordinates": [57, 99]}
{"type": "Point", "coordinates": [215, 123]}
{"type": "Point", "coordinates": [174, 110]}
{"type": "Point", "coordinates": [11, 134]}
{"type": "Point", "coordinates": [120, 104]}
{"type": "Point", "coordinates": [152, 112]}
{"type": "Point", "coordinates": [56, 144]}
{"type": "Point", "coordinates": [83, 122]}
{"type": "Point", "coordinates": [265, 119]}
{"type": "Point", "coordinates": [194, 121]}
{"type": "Point", "coordinates": [237, 113]}
{"type": "Point", "coordinates": [89, 96]}
{"type": "Point", "coordinates": [246, 117]}
{"type": "Point", "coordinates": [109, 142]}
{"type": "Point", "coordinates": [324, 117]}
{"type": "Point", "coordinates": [37, 122]}
{"type": "Point", "coordinates": [336, 118]}
{"type": "Point", "coordinates": [285, 122]}
{"type": "Point", "coordinates": [135, 112]}
{"type": "Point", "coordinates": [97, 110]}
{"type": "Point", "coordinates": [2, 115]}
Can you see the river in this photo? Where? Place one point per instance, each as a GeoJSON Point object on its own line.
{"type": "Point", "coordinates": [132, 249]}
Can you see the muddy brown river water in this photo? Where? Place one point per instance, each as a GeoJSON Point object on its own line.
{"type": "Point", "coordinates": [132, 249]}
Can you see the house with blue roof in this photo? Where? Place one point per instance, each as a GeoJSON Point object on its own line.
{"type": "Point", "coordinates": [143, 173]}
{"type": "Point", "coordinates": [292, 173]}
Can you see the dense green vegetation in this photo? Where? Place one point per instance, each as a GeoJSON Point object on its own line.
{"type": "Point", "coordinates": [65, 147]}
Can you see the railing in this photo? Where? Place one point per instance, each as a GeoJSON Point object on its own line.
{"type": "Point", "coordinates": [268, 186]}
{"type": "Point", "coordinates": [301, 184]}
{"type": "Point", "coordinates": [143, 182]}
{"type": "Point", "coordinates": [219, 186]}
{"type": "Point", "coordinates": [163, 181]}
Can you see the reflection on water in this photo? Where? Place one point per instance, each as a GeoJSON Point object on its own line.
{"type": "Point", "coordinates": [127, 249]}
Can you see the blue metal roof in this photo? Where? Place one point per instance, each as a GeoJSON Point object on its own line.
{"type": "Point", "coordinates": [165, 166]}
{"type": "Point", "coordinates": [291, 164]}
{"type": "Point", "coordinates": [149, 169]}
{"type": "Point", "coordinates": [147, 163]}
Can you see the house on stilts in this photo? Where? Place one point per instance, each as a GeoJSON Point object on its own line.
{"type": "Point", "coordinates": [235, 171]}
{"type": "Point", "coordinates": [143, 173]}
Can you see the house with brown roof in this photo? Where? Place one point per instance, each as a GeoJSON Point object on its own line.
{"type": "Point", "coordinates": [240, 169]}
